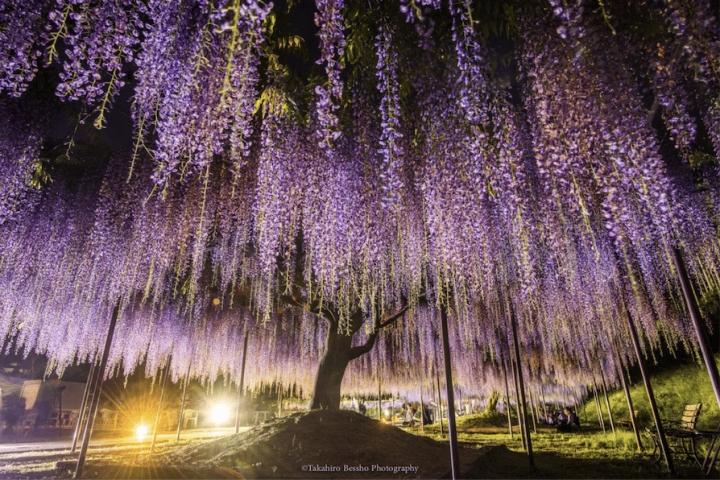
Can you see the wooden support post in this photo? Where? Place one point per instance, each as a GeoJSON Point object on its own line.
{"type": "Point", "coordinates": [241, 387]}
{"type": "Point", "coordinates": [664, 447]}
{"type": "Point", "coordinates": [449, 386]}
{"type": "Point", "coordinates": [607, 402]}
{"type": "Point", "coordinates": [158, 413]}
{"type": "Point", "coordinates": [516, 342]}
{"type": "Point", "coordinates": [82, 416]}
{"type": "Point", "coordinates": [628, 399]}
{"type": "Point", "coordinates": [507, 398]}
{"type": "Point", "coordinates": [182, 403]}
{"type": "Point", "coordinates": [694, 313]}
{"type": "Point", "coordinates": [97, 392]}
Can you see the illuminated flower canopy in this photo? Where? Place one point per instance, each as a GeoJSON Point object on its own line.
{"type": "Point", "coordinates": [541, 155]}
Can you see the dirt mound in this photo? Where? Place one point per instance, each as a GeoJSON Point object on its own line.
{"type": "Point", "coordinates": [325, 444]}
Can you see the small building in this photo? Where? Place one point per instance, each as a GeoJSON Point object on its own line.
{"type": "Point", "coordinates": [52, 403]}
{"type": "Point", "coordinates": [9, 385]}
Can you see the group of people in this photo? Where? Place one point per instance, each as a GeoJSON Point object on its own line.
{"type": "Point", "coordinates": [565, 420]}
{"type": "Point", "coordinates": [409, 414]}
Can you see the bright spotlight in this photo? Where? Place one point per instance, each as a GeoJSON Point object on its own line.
{"type": "Point", "coordinates": [219, 413]}
{"type": "Point", "coordinates": [141, 432]}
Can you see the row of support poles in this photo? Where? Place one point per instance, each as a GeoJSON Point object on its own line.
{"type": "Point", "coordinates": [521, 384]}
{"type": "Point", "coordinates": [82, 417]}
{"type": "Point", "coordinates": [182, 402]}
{"type": "Point", "coordinates": [607, 402]}
{"type": "Point", "coordinates": [158, 414]}
{"type": "Point", "coordinates": [694, 313]}
{"type": "Point", "coordinates": [664, 447]}
{"type": "Point", "coordinates": [96, 393]}
{"type": "Point", "coordinates": [241, 387]}
{"type": "Point", "coordinates": [452, 433]}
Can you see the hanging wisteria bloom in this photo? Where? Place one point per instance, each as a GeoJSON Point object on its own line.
{"type": "Point", "coordinates": [391, 150]}
{"type": "Point", "coordinates": [325, 178]}
{"type": "Point", "coordinates": [98, 43]}
{"type": "Point", "coordinates": [21, 43]}
{"type": "Point", "coordinates": [332, 46]}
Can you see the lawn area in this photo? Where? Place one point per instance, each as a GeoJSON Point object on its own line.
{"type": "Point", "coordinates": [674, 388]}
{"type": "Point", "coordinates": [586, 454]}
{"type": "Point", "coordinates": [591, 453]}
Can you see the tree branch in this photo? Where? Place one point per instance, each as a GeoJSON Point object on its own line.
{"type": "Point", "coordinates": [360, 350]}
{"type": "Point", "coordinates": [653, 110]}
{"type": "Point", "coordinates": [392, 318]}
{"type": "Point", "coordinates": [296, 298]}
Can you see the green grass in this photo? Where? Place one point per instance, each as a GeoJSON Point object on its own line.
{"type": "Point", "coordinates": [674, 387]}
{"type": "Point", "coordinates": [587, 454]}
{"type": "Point", "coordinates": [591, 453]}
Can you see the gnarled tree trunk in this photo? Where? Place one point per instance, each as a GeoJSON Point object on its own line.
{"type": "Point", "coordinates": [338, 353]}
{"type": "Point", "coordinates": [331, 370]}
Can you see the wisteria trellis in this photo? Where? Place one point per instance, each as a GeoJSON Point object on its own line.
{"type": "Point", "coordinates": [415, 174]}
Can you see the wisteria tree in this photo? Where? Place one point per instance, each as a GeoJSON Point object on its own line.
{"type": "Point", "coordinates": [326, 176]}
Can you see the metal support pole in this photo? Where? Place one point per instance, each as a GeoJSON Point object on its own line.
{"type": "Point", "coordinates": [439, 398]}
{"type": "Point", "coordinates": [83, 406]}
{"type": "Point", "coordinates": [97, 392]}
{"type": "Point", "coordinates": [694, 313]}
{"type": "Point", "coordinates": [518, 406]}
{"type": "Point", "coordinates": [241, 387]}
{"type": "Point", "coordinates": [60, 409]}
{"type": "Point", "coordinates": [422, 410]}
{"type": "Point", "coordinates": [628, 398]}
{"type": "Point", "coordinates": [516, 342]}
{"type": "Point", "coordinates": [607, 402]}
{"type": "Point", "coordinates": [379, 404]}
{"type": "Point", "coordinates": [182, 403]}
{"type": "Point", "coordinates": [392, 408]}
{"type": "Point", "coordinates": [507, 398]}
{"type": "Point", "coordinates": [159, 408]}
{"type": "Point", "coordinates": [454, 459]}
{"type": "Point", "coordinates": [532, 409]}
{"type": "Point", "coordinates": [598, 408]}
{"type": "Point", "coordinates": [648, 389]}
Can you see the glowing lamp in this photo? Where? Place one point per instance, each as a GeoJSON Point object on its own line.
{"type": "Point", "coordinates": [141, 432]}
{"type": "Point", "coordinates": [219, 413]}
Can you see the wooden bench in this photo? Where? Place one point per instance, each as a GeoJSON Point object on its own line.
{"type": "Point", "coordinates": [682, 436]}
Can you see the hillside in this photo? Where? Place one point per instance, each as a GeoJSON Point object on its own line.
{"type": "Point", "coordinates": [674, 388]}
